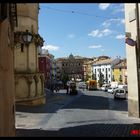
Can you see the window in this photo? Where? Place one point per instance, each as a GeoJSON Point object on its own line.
{"type": "Point", "coordinates": [108, 69]}
{"type": "Point", "coordinates": [3, 12]}
{"type": "Point", "coordinates": [120, 78]}
{"type": "Point", "coordinates": [22, 49]}
{"type": "Point", "coordinates": [113, 78]}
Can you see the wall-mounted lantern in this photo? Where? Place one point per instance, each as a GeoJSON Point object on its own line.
{"type": "Point", "coordinates": [27, 37]}
{"type": "Point", "coordinates": [23, 38]}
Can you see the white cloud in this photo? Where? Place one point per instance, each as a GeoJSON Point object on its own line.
{"type": "Point", "coordinates": [118, 8]}
{"type": "Point", "coordinates": [95, 46]}
{"type": "Point", "coordinates": [100, 33]}
{"type": "Point", "coordinates": [120, 36]}
{"type": "Point", "coordinates": [94, 33]}
{"type": "Point", "coordinates": [108, 23]}
{"type": "Point", "coordinates": [71, 35]}
{"type": "Point", "coordinates": [122, 21]}
{"type": "Point", "coordinates": [104, 6]}
{"type": "Point", "coordinates": [50, 47]}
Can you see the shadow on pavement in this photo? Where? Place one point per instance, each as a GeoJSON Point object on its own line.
{"type": "Point", "coordinates": [92, 130]}
{"type": "Point", "coordinates": [98, 103]}
{"type": "Point", "coordinates": [94, 102]}
{"type": "Point", "coordinates": [53, 102]}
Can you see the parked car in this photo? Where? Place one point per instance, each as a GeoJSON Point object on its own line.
{"type": "Point", "coordinates": [120, 93]}
{"type": "Point", "coordinates": [111, 89]}
{"type": "Point", "coordinates": [105, 87]}
{"type": "Point", "coordinates": [82, 85]}
{"type": "Point", "coordinates": [124, 87]}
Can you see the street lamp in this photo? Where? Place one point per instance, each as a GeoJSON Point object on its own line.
{"type": "Point", "coordinates": [27, 37]}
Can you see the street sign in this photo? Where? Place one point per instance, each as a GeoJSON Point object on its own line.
{"type": "Point", "coordinates": [130, 41]}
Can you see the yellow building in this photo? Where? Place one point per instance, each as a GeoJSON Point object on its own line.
{"type": "Point", "coordinates": [88, 70]}
{"type": "Point", "coordinates": [119, 72]}
{"type": "Point", "coordinates": [29, 83]}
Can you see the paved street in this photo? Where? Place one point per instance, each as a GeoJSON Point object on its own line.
{"type": "Point", "coordinates": [90, 113]}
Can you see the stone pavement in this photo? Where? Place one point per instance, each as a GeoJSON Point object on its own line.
{"type": "Point", "coordinates": [93, 130]}
{"type": "Point", "coordinates": [53, 102]}
{"type": "Point", "coordinates": [66, 118]}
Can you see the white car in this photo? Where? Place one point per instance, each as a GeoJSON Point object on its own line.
{"type": "Point", "coordinates": [105, 87]}
{"type": "Point", "coordinates": [111, 89]}
{"type": "Point", "coordinates": [81, 85]}
{"type": "Point", "coordinates": [120, 93]}
{"type": "Point", "coordinates": [124, 87]}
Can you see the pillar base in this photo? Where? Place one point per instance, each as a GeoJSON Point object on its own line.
{"type": "Point", "coordinates": [32, 101]}
{"type": "Point", "coordinates": [133, 108]}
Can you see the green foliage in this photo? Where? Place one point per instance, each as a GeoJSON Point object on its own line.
{"type": "Point", "coordinates": [93, 76]}
{"type": "Point", "coordinates": [87, 78]}
{"type": "Point", "coordinates": [101, 79]}
{"type": "Point", "coordinates": [64, 78]}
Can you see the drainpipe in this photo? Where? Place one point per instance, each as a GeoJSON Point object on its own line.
{"type": "Point", "coordinates": [138, 53]}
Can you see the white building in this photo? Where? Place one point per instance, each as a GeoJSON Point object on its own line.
{"type": "Point", "coordinates": [104, 67]}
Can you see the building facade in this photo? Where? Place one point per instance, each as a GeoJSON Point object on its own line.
{"type": "Point", "coordinates": [44, 67]}
{"type": "Point", "coordinates": [88, 72]}
{"type": "Point", "coordinates": [119, 72]}
{"type": "Point", "coordinates": [104, 67]}
{"type": "Point", "coordinates": [132, 54]}
{"type": "Point", "coordinates": [58, 69]}
{"type": "Point", "coordinates": [29, 83]}
{"type": "Point", "coordinates": [73, 68]}
{"type": "Point", "coordinates": [8, 21]}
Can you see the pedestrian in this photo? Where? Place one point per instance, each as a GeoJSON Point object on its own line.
{"type": "Point", "coordinates": [56, 88]}
{"type": "Point", "coordinates": [67, 86]}
{"type": "Point", "coordinates": [52, 88]}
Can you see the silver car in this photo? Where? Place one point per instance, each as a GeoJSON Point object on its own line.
{"type": "Point", "coordinates": [120, 93]}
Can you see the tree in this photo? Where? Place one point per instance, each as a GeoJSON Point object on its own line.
{"type": "Point", "coordinates": [93, 76]}
{"type": "Point", "coordinates": [106, 79]}
{"type": "Point", "coordinates": [120, 79]}
{"type": "Point", "coordinates": [101, 79]}
{"type": "Point", "coordinates": [87, 77]}
{"type": "Point", "coordinates": [113, 78]}
{"type": "Point", "coordinates": [64, 78]}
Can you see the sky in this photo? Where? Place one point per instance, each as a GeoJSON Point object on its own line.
{"type": "Point", "coordinates": [84, 29]}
